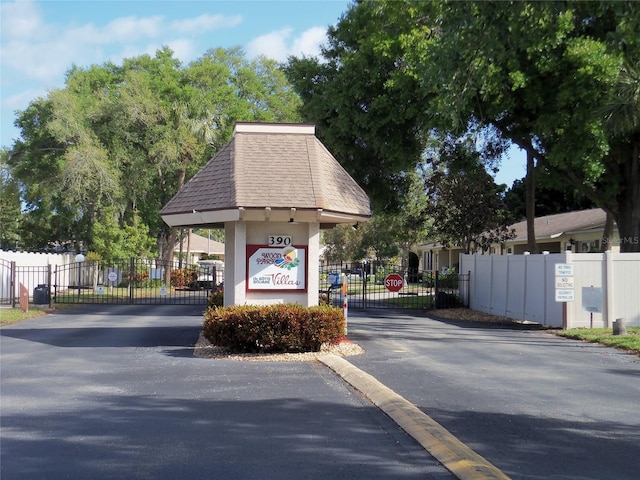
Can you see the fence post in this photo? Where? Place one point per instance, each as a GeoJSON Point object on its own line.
{"type": "Point", "coordinates": [608, 289]}
{"type": "Point", "coordinates": [12, 284]}
{"type": "Point", "coordinates": [132, 272]}
{"type": "Point", "coordinates": [49, 283]}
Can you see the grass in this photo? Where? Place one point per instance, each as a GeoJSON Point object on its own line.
{"type": "Point", "coordinates": [604, 336]}
{"type": "Point", "coordinates": [16, 315]}
{"type": "Point", "coordinates": [412, 301]}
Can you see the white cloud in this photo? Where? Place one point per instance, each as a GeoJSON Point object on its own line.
{"type": "Point", "coordinates": [308, 44]}
{"type": "Point", "coordinates": [26, 20]}
{"type": "Point", "coordinates": [278, 45]}
{"type": "Point", "coordinates": [204, 23]}
{"type": "Point", "coordinates": [18, 101]}
{"type": "Point", "coordinates": [43, 52]}
{"type": "Point", "coordinates": [272, 45]}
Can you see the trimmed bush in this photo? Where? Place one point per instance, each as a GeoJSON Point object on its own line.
{"type": "Point", "coordinates": [216, 298]}
{"type": "Point", "coordinates": [273, 328]}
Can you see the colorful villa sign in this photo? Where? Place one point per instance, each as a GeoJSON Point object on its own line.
{"type": "Point", "coordinates": [276, 268]}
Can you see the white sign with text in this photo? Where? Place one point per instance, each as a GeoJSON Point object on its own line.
{"type": "Point", "coordinates": [272, 268]}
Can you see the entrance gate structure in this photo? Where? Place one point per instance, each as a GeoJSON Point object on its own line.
{"type": "Point", "coordinates": [366, 287]}
{"type": "Point", "coordinates": [134, 281]}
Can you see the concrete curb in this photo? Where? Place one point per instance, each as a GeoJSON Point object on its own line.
{"type": "Point", "coordinates": [447, 449]}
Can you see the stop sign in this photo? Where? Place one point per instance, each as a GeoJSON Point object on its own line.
{"type": "Point", "coordinates": [393, 282]}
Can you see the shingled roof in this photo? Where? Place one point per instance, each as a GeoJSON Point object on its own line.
{"type": "Point", "coordinates": [276, 172]}
{"type": "Point", "coordinates": [552, 226]}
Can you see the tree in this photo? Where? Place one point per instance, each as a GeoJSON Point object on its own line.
{"type": "Point", "coordinates": [114, 239]}
{"type": "Point", "coordinates": [553, 195]}
{"type": "Point", "coordinates": [10, 208]}
{"type": "Point", "coordinates": [541, 74]}
{"type": "Point", "coordinates": [465, 203]}
{"type": "Point", "coordinates": [128, 137]}
{"type": "Point", "coordinates": [366, 108]}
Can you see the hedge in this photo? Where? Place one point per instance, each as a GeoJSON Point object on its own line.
{"type": "Point", "coordinates": [273, 328]}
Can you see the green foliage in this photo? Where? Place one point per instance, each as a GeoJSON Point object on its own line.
{"type": "Point", "coordinates": [273, 328]}
{"type": "Point", "coordinates": [184, 277]}
{"type": "Point", "coordinates": [552, 196]}
{"type": "Point", "coordinates": [558, 79]}
{"type": "Point", "coordinates": [113, 240]}
{"type": "Point", "coordinates": [366, 108]}
{"type": "Point", "coordinates": [10, 207]}
{"type": "Point", "coordinates": [127, 137]}
{"type": "Point", "coordinates": [465, 203]}
{"type": "Point", "coordinates": [604, 336]}
{"type": "Point", "coordinates": [216, 298]}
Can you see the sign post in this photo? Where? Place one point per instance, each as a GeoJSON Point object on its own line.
{"type": "Point", "coordinates": [592, 301]}
{"type": "Point", "coordinates": [345, 303]}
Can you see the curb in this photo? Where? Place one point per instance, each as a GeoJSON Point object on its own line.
{"type": "Point", "coordinates": [454, 455]}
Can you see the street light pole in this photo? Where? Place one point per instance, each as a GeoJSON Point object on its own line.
{"type": "Point", "coordinates": [79, 260]}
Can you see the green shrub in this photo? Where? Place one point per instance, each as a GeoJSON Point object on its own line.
{"type": "Point", "coordinates": [183, 277]}
{"type": "Point", "coordinates": [273, 328]}
{"type": "Point", "coordinates": [216, 298]}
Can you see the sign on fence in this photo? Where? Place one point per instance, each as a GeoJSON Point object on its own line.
{"type": "Point", "coordinates": [564, 282]}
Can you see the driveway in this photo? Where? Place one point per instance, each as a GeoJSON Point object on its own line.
{"type": "Point", "coordinates": [115, 392]}
{"type": "Point", "coordinates": [535, 405]}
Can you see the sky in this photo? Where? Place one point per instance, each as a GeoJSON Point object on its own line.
{"type": "Point", "coordinates": [41, 40]}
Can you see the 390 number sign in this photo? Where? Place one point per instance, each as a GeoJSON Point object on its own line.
{"type": "Point", "coordinates": [279, 240]}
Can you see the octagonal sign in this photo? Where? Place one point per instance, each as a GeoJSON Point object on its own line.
{"type": "Point", "coordinates": [393, 282]}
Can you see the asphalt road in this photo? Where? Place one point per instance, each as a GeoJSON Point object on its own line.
{"type": "Point", "coordinates": [535, 405]}
{"type": "Point", "coordinates": [115, 392]}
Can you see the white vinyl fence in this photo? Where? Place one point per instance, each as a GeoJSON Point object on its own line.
{"type": "Point", "coordinates": [35, 276]}
{"type": "Point", "coordinates": [606, 286]}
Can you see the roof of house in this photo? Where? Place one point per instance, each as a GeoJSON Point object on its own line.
{"type": "Point", "coordinates": [553, 226]}
{"type": "Point", "coordinates": [198, 243]}
{"type": "Point", "coordinates": [278, 170]}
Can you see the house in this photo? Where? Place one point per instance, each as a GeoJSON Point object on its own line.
{"type": "Point", "coordinates": [580, 232]}
{"type": "Point", "coordinates": [198, 247]}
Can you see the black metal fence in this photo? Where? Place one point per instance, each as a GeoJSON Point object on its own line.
{"type": "Point", "coordinates": [29, 282]}
{"type": "Point", "coordinates": [153, 281]}
{"type": "Point", "coordinates": [390, 286]}
{"type": "Point", "coordinates": [137, 280]}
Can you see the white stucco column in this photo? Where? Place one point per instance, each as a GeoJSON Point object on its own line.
{"type": "Point", "coordinates": [313, 279]}
{"type": "Point", "coordinates": [235, 265]}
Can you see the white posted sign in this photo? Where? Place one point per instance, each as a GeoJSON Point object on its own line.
{"type": "Point", "coordinates": [564, 283]}
{"type": "Point", "coordinates": [564, 270]}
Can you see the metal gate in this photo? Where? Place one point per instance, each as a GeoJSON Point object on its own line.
{"type": "Point", "coordinates": [389, 286]}
{"type": "Point", "coordinates": [134, 281]}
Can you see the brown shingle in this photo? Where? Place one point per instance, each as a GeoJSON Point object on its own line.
{"type": "Point", "coordinates": [277, 166]}
{"type": "Point", "coordinates": [552, 226]}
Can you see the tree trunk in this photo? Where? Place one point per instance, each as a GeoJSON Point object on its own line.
{"type": "Point", "coordinates": [530, 200]}
{"type": "Point", "coordinates": [181, 252]}
{"type": "Point", "coordinates": [189, 230]}
{"type": "Point", "coordinates": [171, 239]}
{"type": "Point", "coordinates": [628, 202]}
{"type": "Point", "coordinates": [607, 234]}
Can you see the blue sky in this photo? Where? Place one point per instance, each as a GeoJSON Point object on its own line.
{"type": "Point", "coordinates": [41, 40]}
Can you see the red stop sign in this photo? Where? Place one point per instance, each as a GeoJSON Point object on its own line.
{"type": "Point", "coordinates": [393, 282]}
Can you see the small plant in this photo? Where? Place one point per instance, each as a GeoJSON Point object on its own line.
{"type": "Point", "coordinates": [183, 277]}
{"type": "Point", "coordinates": [273, 328]}
{"type": "Point", "coordinates": [216, 298]}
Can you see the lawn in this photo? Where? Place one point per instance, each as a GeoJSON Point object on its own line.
{"type": "Point", "coordinates": [604, 336]}
{"type": "Point", "coordinates": [15, 315]}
